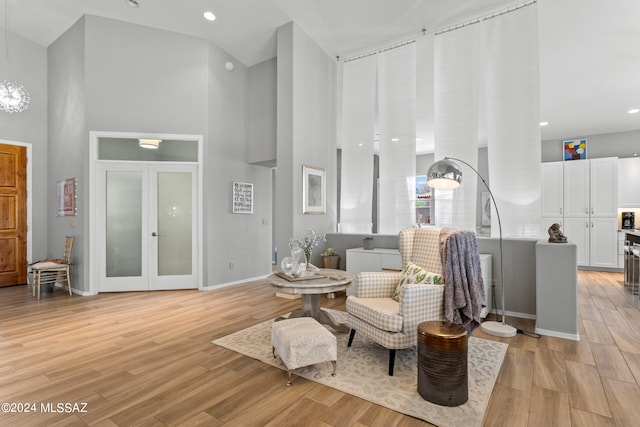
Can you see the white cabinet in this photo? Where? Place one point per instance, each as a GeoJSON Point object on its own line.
{"type": "Point", "coordinates": [628, 181]}
{"type": "Point", "coordinates": [576, 188]}
{"type": "Point", "coordinates": [591, 187]}
{"type": "Point", "coordinates": [577, 231]}
{"type": "Point", "coordinates": [603, 180]}
{"type": "Point", "coordinates": [359, 259]}
{"type": "Point", "coordinates": [589, 191]}
{"type": "Point", "coordinates": [603, 242]}
{"type": "Point", "coordinates": [552, 192]}
{"type": "Point", "coordinates": [596, 240]}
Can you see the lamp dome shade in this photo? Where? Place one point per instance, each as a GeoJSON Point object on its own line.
{"type": "Point", "coordinates": [444, 174]}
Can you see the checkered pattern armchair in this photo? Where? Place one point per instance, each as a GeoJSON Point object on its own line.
{"type": "Point", "coordinates": [394, 324]}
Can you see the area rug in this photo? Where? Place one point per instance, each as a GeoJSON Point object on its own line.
{"type": "Point", "coordinates": [362, 372]}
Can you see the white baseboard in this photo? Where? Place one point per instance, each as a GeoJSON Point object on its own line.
{"type": "Point", "coordinates": [513, 314]}
{"type": "Point", "coordinates": [237, 282]}
{"type": "Point", "coordinates": [556, 334]}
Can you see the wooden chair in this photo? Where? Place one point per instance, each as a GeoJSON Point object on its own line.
{"type": "Point", "coordinates": [53, 271]}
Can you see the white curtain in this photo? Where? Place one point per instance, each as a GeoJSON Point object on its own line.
{"type": "Point", "coordinates": [358, 122]}
{"type": "Point", "coordinates": [457, 86]}
{"type": "Point", "coordinates": [397, 124]}
{"type": "Point", "coordinates": [512, 102]}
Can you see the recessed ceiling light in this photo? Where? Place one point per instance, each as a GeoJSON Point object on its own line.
{"type": "Point", "coordinates": [209, 16]}
{"type": "Point", "coordinates": [395, 139]}
{"type": "Point", "coordinates": [544, 123]}
{"type": "Point", "coordinates": [418, 139]}
{"type": "Point", "coordinates": [132, 3]}
{"type": "Point", "coordinates": [634, 111]}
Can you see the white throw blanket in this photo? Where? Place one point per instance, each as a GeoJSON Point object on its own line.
{"type": "Point", "coordinates": [464, 288]}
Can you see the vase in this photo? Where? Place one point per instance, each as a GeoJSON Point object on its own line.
{"type": "Point", "coordinates": [368, 244]}
{"type": "Point", "coordinates": [307, 256]}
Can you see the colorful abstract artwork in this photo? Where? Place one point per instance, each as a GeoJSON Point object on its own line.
{"type": "Point", "coordinates": [575, 150]}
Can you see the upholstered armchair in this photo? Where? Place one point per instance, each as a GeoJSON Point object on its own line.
{"type": "Point", "coordinates": [374, 313]}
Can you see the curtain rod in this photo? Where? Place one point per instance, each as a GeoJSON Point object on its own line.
{"type": "Point", "coordinates": [485, 18]}
{"type": "Point", "coordinates": [382, 49]}
{"type": "Point", "coordinates": [424, 32]}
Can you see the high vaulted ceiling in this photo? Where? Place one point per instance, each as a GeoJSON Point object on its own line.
{"type": "Point", "coordinates": [589, 63]}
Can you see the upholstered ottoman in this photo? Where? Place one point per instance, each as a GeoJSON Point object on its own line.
{"type": "Point", "coordinates": [303, 341]}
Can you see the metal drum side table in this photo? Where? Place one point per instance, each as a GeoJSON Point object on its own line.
{"type": "Point", "coordinates": [442, 363]}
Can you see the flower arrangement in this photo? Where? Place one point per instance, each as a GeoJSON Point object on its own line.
{"type": "Point", "coordinates": [329, 252]}
{"type": "Point", "coordinates": [309, 241]}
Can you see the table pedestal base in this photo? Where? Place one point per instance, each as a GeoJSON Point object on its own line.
{"type": "Point", "coordinates": [310, 307]}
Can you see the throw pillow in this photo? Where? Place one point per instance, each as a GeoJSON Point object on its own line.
{"type": "Point", "coordinates": [414, 274]}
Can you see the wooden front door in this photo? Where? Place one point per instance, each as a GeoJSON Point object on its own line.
{"type": "Point", "coordinates": [13, 215]}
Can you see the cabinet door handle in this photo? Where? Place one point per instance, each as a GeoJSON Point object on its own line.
{"type": "Point", "coordinates": [591, 224]}
{"type": "Point", "coordinates": [591, 210]}
{"type": "Point", "coordinates": [586, 210]}
{"type": "Point", "coordinates": [560, 211]}
{"type": "Point", "coordinates": [586, 224]}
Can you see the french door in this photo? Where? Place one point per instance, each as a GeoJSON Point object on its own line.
{"type": "Point", "coordinates": [148, 226]}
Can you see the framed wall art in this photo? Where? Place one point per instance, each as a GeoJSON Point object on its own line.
{"type": "Point", "coordinates": [575, 149]}
{"type": "Point", "coordinates": [313, 190]}
{"type": "Point", "coordinates": [486, 209]}
{"type": "Point", "coordinates": [242, 198]}
{"type": "Point", "coordinates": [67, 195]}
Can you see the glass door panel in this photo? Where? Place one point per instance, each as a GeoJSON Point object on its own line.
{"type": "Point", "coordinates": [174, 223]}
{"type": "Point", "coordinates": [123, 223]}
{"type": "Point", "coordinates": [173, 249]}
{"type": "Point", "coordinates": [123, 210]}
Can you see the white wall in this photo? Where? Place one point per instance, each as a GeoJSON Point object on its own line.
{"type": "Point", "coordinates": [261, 148]}
{"type": "Point", "coordinates": [242, 239]}
{"type": "Point", "coordinates": [306, 123]}
{"type": "Point", "coordinates": [67, 155]}
{"type": "Point", "coordinates": [619, 144]}
{"type": "Point", "coordinates": [28, 67]}
{"type": "Point", "coordinates": [113, 76]}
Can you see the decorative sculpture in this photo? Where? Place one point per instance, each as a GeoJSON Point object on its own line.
{"type": "Point", "coordinates": [555, 234]}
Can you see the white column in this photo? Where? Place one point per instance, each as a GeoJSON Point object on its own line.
{"type": "Point", "coordinates": [397, 121]}
{"type": "Point", "coordinates": [457, 81]}
{"type": "Point", "coordinates": [512, 101]}
{"type": "Point", "coordinates": [358, 118]}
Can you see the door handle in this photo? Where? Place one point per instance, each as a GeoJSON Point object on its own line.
{"type": "Point", "coordinates": [154, 234]}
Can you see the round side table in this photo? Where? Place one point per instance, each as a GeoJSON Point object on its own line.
{"type": "Point", "coordinates": [442, 363]}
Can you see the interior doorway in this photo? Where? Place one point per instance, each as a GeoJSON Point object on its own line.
{"type": "Point", "coordinates": [15, 218]}
{"type": "Point", "coordinates": [147, 215]}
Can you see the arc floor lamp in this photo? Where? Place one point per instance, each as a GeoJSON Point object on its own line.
{"type": "Point", "coordinates": [446, 174]}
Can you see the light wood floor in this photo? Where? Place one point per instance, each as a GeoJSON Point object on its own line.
{"type": "Point", "coordinates": [145, 359]}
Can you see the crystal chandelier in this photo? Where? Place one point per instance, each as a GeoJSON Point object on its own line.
{"type": "Point", "coordinates": [13, 96]}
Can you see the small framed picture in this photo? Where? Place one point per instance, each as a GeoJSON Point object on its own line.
{"type": "Point", "coordinates": [242, 198]}
{"type": "Point", "coordinates": [486, 208]}
{"type": "Point", "coordinates": [67, 194]}
{"type": "Point", "coordinates": [575, 149]}
{"type": "Point", "coordinates": [313, 190]}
